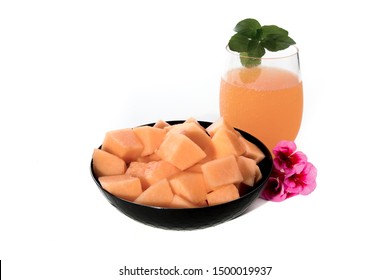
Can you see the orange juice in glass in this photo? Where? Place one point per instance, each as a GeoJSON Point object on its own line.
{"type": "Point", "coordinates": [266, 100]}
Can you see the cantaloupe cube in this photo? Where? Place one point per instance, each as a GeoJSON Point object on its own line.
{"type": "Point", "coordinates": [227, 143]}
{"type": "Point", "coordinates": [123, 143]}
{"type": "Point", "coordinates": [180, 151]}
{"type": "Point", "coordinates": [149, 158]}
{"type": "Point", "coordinates": [161, 124]}
{"type": "Point", "coordinates": [222, 171]}
{"type": "Point", "coordinates": [249, 170]}
{"type": "Point", "coordinates": [123, 186]}
{"type": "Point", "coordinates": [258, 175]}
{"type": "Point", "coordinates": [105, 164]}
{"type": "Point", "coordinates": [210, 153]}
{"type": "Point", "coordinates": [157, 170]}
{"type": "Point", "coordinates": [219, 123]}
{"type": "Point", "coordinates": [222, 195]}
{"type": "Point", "coordinates": [138, 169]}
{"type": "Point", "coordinates": [195, 168]}
{"type": "Point", "coordinates": [189, 185]}
{"type": "Point", "coordinates": [203, 203]}
{"type": "Point", "coordinates": [251, 150]}
{"type": "Point", "coordinates": [151, 172]}
{"type": "Point", "coordinates": [159, 194]}
{"type": "Point", "coordinates": [151, 138]}
{"type": "Point", "coordinates": [195, 121]}
{"type": "Point", "coordinates": [193, 131]}
{"type": "Point", "coordinates": [179, 202]}
{"type": "Point", "coordinates": [243, 189]}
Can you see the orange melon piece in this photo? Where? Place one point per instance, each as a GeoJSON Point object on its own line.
{"type": "Point", "coordinates": [123, 143]}
{"type": "Point", "coordinates": [105, 164]}
{"type": "Point", "coordinates": [251, 150]}
{"type": "Point", "coordinates": [210, 153]}
{"type": "Point", "coordinates": [220, 123]}
{"type": "Point", "coordinates": [249, 170]}
{"type": "Point", "coordinates": [149, 158]}
{"type": "Point", "coordinates": [151, 138]}
{"type": "Point", "coordinates": [226, 143]}
{"type": "Point", "coordinates": [189, 185]}
{"type": "Point", "coordinates": [195, 168]}
{"type": "Point", "coordinates": [180, 151]}
{"type": "Point", "coordinates": [222, 171]}
{"type": "Point", "coordinates": [161, 124]}
{"type": "Point", "coordinates": [157, 170]}
{"type": "Point", "coordinates": [195, 121]}
{"type": "Point", "coordinates": [138, 169]}
{"type": "Point", "coordinates": [222, 195]}
{"type": "Point", "coordinates": [123, 186]}
{"type": "Point", "coordinates": [179, 202]}
{"type": "Point", "coordinates": [194, 131]}
{"type": "Point", "coordinates": [159, 194]}
{"type": "Point", "coordinates": [151, 172]}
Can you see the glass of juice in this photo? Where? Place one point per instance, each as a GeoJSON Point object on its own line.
{"type": "Point", "coordinates": [265, 100]}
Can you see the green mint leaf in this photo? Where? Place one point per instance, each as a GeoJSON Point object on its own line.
{"type": "Point", "coordinates": [251, 40]}
{"type": "Point", "coordinates": [268, 30]}
{"type": "Point", "coordinates": [239, 43]}
{"type": "Point", "coordinates": [276, 43]}
{"type": "Point", "coordinates": [255, 49]}
{"type": "Point", "coordinates": [252, 57]}
{"type": "Point", "coordinates": [248, 27]}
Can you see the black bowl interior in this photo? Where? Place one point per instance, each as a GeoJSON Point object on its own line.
{"type": "Point", "coordinates": [194, 218]}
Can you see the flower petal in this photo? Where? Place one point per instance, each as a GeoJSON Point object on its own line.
{"type": "Point", "coordinates": [273, 191]}
{"type": "Point", "coordinates": [284, 148]}
{"type": "Point", "coordinates": [298, 160]}
{"type": "Point", "coordinates": [310, 179]}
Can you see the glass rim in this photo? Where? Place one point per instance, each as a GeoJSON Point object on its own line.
{"type": "Point", "coordinates": [292, 50]}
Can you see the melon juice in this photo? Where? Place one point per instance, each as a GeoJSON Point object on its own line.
{"type": "Point", "coordinates": [264, 101]}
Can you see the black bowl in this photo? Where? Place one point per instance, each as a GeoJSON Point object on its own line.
{"type": "Point", "coordinates": [194, 218]}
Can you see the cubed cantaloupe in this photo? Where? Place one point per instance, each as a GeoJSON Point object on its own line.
{"type": "Point", "coordinates": [157, 170]}
{"type": "Point", "coordinates": [189, 185]}
{"type": "Point", "coordinates": [222, 195]}
{"type": "Point", "coordinates": [177, 166]}
{"type": "Point", "coordinates": [220, 123]}
{"type": "Point", "coordinates": [193, 120]}
{"type": "Point", "coordinates": [151, 157]}
{"type": "Point", "coordinates": [123, 143]}
{"type": "Point", "coordinates": [151, 172]}
{"type": "Point", "coordinates": [226, 143]}
{"type": "Point", "coordinates": [137, 169]}
{"type": "Point", "coordinates": [105, 164]}
{"type": "Point", "coordinates": [251, 150]}
{"type": "Point", "coordinates": [194, 131]}
{"type": "Point", "coordinates": [151, 138]}
{"type": "Point", "coordinates": [159, 194]}
{"type": "Point", "coordinates": [123, 186]}
{"type": "Point", "coordinates": [249, 170]}
{"type": "Point", "coordinates": [179, 202]}
{"type": "Point", "coordinates": [180, 151]}
{"type": "Point", "coordinates": [161, 124]}
{"type": "Point", "coordinates": [222, 171]}
{"type": "Point", "coordinates": [195, 168]}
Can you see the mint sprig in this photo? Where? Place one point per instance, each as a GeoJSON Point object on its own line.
{"type": "Point", "coordinates": [252, 40]}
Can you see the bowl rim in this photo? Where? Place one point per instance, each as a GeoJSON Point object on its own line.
{"type": "Point", "coordinates": [259, 185]}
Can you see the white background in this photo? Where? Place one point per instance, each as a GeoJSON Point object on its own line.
{"type": "Point", "coordinates": [72, 70]}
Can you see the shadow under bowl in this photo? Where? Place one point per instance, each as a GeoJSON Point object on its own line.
{"type": "Point", "coordinates": [194, 218]}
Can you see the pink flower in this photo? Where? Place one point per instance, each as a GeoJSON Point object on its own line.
{"type": "Point", "coordinates": [292, 174]}
{"type": "Point", "coordinates": [287, 160]}
{"type": "Point", "coordinates": [301, 183]}
{"type": "Point", "coordinates": [274, 190]}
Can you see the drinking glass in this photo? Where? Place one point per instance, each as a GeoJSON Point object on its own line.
{"type": "Point", "coordinates": [266, 100]}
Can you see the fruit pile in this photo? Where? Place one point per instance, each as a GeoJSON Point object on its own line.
{"type": "Point", "coordinates": [177, 166]}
